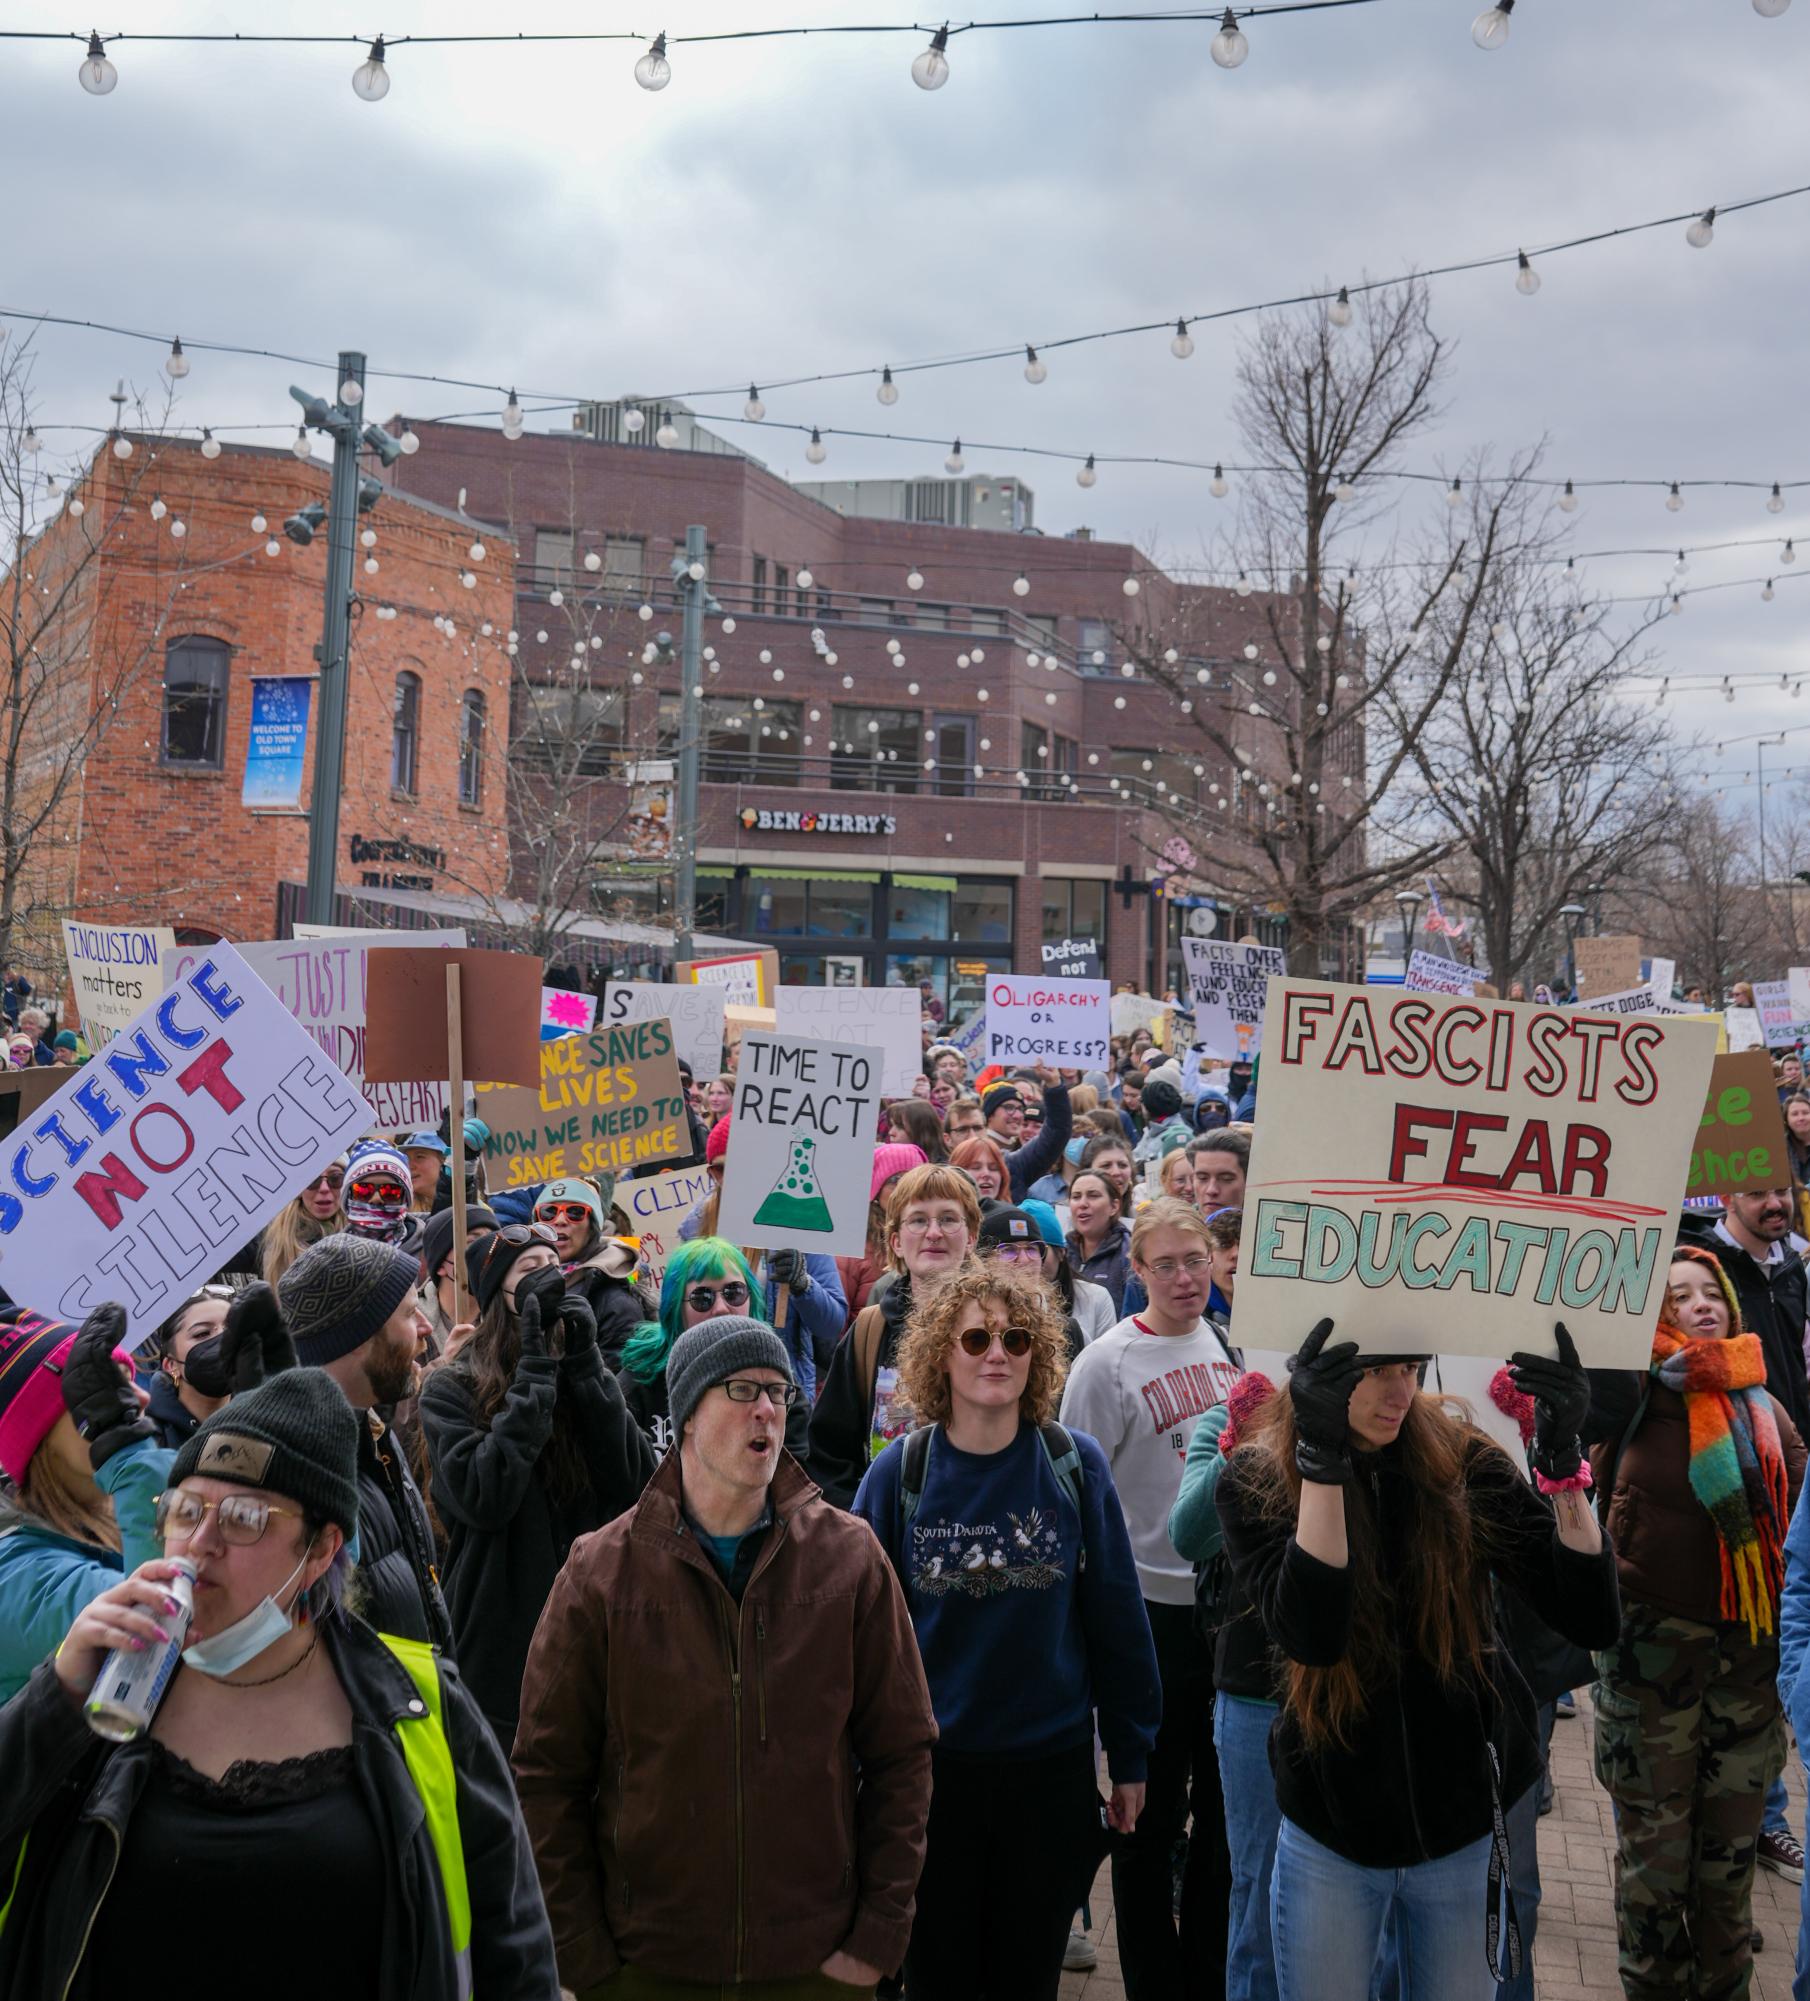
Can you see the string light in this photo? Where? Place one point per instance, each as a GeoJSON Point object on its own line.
{"type": "Point", "coordinates": [888, 391]}
{"type": "Point", "coordinates": [955, 462]}
{"type": "Point", "coordinates": [31, 442]}
{"type": "Point", "coordinates": [667, 435]}
{"type": "Point", "coordinates": [1229, 47]}
{"type": "Point", "coordinates": [754, 409]}
{"type": "Point", "coordinates": [1339, 312]}
{"type": "Point", "coordinates": [302, 448]}
{"type": "Point", "coordinates": [371, 79]}
{"type": "Point", "coordinates": [1183, 344]}
{"type": "Point", "coordinates": [1702, 233]}
{"type": "Point", "coordinates": [1527, 279]}
{"type": "Point", "coordinates": [176, 363]}
{"type": "Point", "coordinates": [816, 451]}
{"type": "Point", "coordinates": [652, 70]}
{"type": "Point", "coordinates": [1766, 594]}
{"type": "Point", "coordinates": [1770, 9]}
{"type": "Point", "coordinates": [1455, 497]}
{"type": "Point", "coordinates": [1788, 554]}
{"type": "Point", "coordinates": [1034, 370]}
{"type": "Point", "coordinates": [1087, 476]}
{"type": "Point", "coordinates": [1490, 29]}
{"type": "Point", "coordinates": [513, 421]}
{"type": "Point", "coordinates": [1775, 502]}
{"type": "Point", "coordinates": [1568, 499]}
{"type": "Point", "coordinates": [1219, 489]}
{"type": "Point", "coordinates": [930, 70]}
{"type": "Point", "coordinates": [98, 76]}
{"type": "Point", "coordinates": [1674, 501]}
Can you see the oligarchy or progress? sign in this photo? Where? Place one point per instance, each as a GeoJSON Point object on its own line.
{"type": "Point", "coordinates": [1031, 1019]}
{"type": "Point", "coordinates": [1495, 1166]}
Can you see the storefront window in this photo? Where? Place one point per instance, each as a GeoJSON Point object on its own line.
{"type": "Point", "coordinates": [918, 913]}
{"type": "Point", "coordinates": [775, 909]}
{"type": "Point", "coordinates": [841, 909]}
{"type": "Point", "coordinates": [983, 913]}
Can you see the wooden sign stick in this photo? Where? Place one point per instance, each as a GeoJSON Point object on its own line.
{"type": "Point", "coordinates": [455, 1096]}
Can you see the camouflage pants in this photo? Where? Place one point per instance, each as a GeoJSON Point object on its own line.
{"type": "Point", "coordinates": [1689, 1735]}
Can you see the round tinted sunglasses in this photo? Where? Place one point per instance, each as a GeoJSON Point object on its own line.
{"type": "Point", "coordinates": [977, 1340]}
{"type": "Point", "coordinates": [732, 1292]}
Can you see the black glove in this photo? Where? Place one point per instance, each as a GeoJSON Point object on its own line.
{"type": "Point", "coordinates": [1320, 1385]}
{"type": "Point", "coordinates": [96, 1394]}
{"type": "Point", "coordinates": [254, 1341]}
{"type": "Point", "coordinates": [1561, 1401]}
{"type": "Point", "coordinates": [787, 1268]}
{"type": "Point", "coordinates": [580, 1325]}
{"type": "Point", "coordinates": [534, 1339]}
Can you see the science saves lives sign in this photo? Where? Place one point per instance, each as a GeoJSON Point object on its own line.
{"type": "Point", "coordinates": [1452, 1176]}
{"type": "Point", "coordinates": [176, 1145]}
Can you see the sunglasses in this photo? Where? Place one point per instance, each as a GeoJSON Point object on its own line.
{"type": "Point", "coordinates": [732, 1292]}
{"type": "Point", "coordinates": [518, 1237]}
{"type": "Point", "coordinates": [381, 1193]}
{"type": "Point", "coordinates": [562, 1212]}
{"type": "Point", "coordinates": [784, 1396]}
{"type": "Point", "coordinates": [334, 1178]}
{"type": "Point", "coordinates": [977, 1340]}
{"type": "Point", "coordinates": [242, 1518]}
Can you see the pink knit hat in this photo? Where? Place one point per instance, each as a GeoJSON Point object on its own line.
{"type": "Point", "coordinates": [895, 1157]}
{"type": "Point", "coordinates": [33, 1349]}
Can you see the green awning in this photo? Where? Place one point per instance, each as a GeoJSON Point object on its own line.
{"type": "Point", "coordinates": [943, 882]}
{"type": "Point", "coordinates": [714, 869]}
{"type": "Point", "coordinates": [760, 873]}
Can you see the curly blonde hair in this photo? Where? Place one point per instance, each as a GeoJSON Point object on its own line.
{"type": "Point", "coordinates": [930, 1337]}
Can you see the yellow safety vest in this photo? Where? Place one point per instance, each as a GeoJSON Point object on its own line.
{"type": "Point", "coordinates": [430, 1761]}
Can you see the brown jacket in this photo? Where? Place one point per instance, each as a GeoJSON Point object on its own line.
{"type": "Point", "coordinates": [1666, 1552]}
{"type": "Point", "coordinates": [688, 1768]}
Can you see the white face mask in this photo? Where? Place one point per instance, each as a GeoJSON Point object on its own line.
{"type": "Point", "coordinates": [245, 1639]}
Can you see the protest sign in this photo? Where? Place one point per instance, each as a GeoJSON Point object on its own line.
{"type": "Point", "coordinates": [563, 1012]}
{"type": "Point", "coordinates": [606, 1102]}
{"type": "Point", "coordinates": [748, 979]}
{"type": "Point", "coordinates": [1662, 976]}
{"type": "Point", "coordinates": [1607, 965]}
{"type": "Point", "coordinates": [176, 1145]}
{"type": "Point", "coordinates": [696, 1014]}
{"type": "Point", "coordinates": [1783, 1028]}
{"type": "Point", "coordinates": [1635, 1000]}
{"type": "Point", "coordinates": [1034, 1020]}
{"type": "Point", "coordinates": [655, 1208]}
{"type": "Point", "coordinates": [1428, 973]}
{"type": "Point", "coordinates": [1228, 983]}
{"type": "Point", "coordinates": [115, 969]}
{"type": "Point", "coordinates": [1498, 1167]}
{"type": "Point", "coordinates": [323, 979]}
{"type": "Point", "coordinates": [1130, 1012]}
{"type": "Point", "coordinates": [801, 1152]}
{"type": "Point", "coordinates": [406, 1022]}
{"type": "Point", "coordinates": [23, 1091]}
{"type": "Point", "coordinates": [1073, 959]}
{"type": "Point", "coordinates": [1797, 982]}
{"type": "Point", "coordinates": [889, 1019]}
{"type": "Point", "coordinates": [1744, 1031]}
{"type": "Point", "coordinates": [971, 1039]}
{"type": "Point", "coordinates": [1740, 1143]}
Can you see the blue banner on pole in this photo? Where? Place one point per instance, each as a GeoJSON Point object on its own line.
{"type": "Point", "coordinates": [278, 741]}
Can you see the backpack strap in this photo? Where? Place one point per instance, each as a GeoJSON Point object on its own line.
{"type": "Point", "coordinates": [865, 1336]}
{"type": "Point", "coordinates": [913, 1466]}
{"type": "Point", "coordinates": [1064, 1456]}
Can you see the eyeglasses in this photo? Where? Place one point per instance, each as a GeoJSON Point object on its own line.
{"type": "Point", "coordinates": [915, 1226]}
{"type": "Point", "coordinates": [241, 1518]}
{"type": "Point", "coordinates": [333, 1177]}
{"type": "Point", "coordinates": [562, 1212]}
{"type": "Point", "coordinates": [518, 1237]}
{"type": "Point", "coordinates": [1195, 1267]}
{"type": "Point", "coordinates": [782, 1396]}
{"type": "Point", "coordinates": [382, 1194]}
{"type": "Point", "coordinates": [977, 1340]}
{"type": "Point", "coordinates": [732, 1292]}
{"type": "Point", "coordinates": [1018, 1254]}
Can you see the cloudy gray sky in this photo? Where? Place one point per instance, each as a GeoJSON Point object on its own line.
{"type": "Point", "coordinates": [787, 207]}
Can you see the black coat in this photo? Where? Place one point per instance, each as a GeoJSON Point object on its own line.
{"type": "Point", "coordinates": [842, 1419]}
{"type": "Point", "coordinates": [396, 1557]}
{"type": "Point", "coordinates": [1773, 1299]}
{"type": "Point", "coordinates": [1037, 1157]}
{"type": "Point", "coordinates": [507, 1535]}
{"type": "Point", "coordinates": [72, 1793]}
{"type": "Point", "coordinates": [1414, 1784]}
{"type": "Point", "coordinates": [171, 1416]}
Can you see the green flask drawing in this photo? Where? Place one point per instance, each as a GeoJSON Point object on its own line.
{"type": "Point", "coordinates": [795, 1203]}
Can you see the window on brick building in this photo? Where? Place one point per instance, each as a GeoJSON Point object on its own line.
{"type": "Point", "coordinates": [760, 583]}
{"type": "Point", "coordinates": [553, 554]}
{"type": "Point", "coordinates": [471, 747]}
{"type": "Point", "coordinates": [405, 734]}
{"type": "Point", "coordinates": [195, 672]}
{"type": "Point", "coordinates": [624, 560]}
{"type": "Point", "coordinates": [571, 732]}
{"type": "Point", "coordinates": [782, 585]}
{"type": "Point", "coordinates": [875, 750]}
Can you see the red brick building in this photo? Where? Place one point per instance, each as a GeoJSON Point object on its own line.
{"type": "Point", "coordinates": [195, 592]}
{"type": "Point", "coordinates": [920, 750]}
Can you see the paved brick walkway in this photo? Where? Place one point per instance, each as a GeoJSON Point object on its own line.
{"type": "Point", "coordinates": [1574, 1959]}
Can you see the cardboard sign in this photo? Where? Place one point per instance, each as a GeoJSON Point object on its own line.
{"type": "Point", "coordinates": [1744, 1031]}
{"type": "Point", "coordinates": [1073, 959]}
{"type": "Point", "coordinates": [1428, 973]}
{"type": "Point", "coordinates": [115, 969]}
{"type": "Point", "coordinates": [1447, 1175]}
{"type": "Point", "coordinates": [563, 1012]}
{"type": "Point", "coordinates": [1130, 1012]}
{"type": "Point", "coordinates": [748, 979]}
{"type": "Point", "coordinates": [889, 1019]}
{"type": "Point", "coordinates": [656, 1207]}
{"type": "Point", "coordinates": [606, 1102]}
{"type": "Point", "coordinates": [1783, 1028]}
{"type": "Point", "coordinates": [176, 1145]}
{"type": "Point", "coordinates": [1229, 984]}
{"type": "Point", "coordinates": [801, 1149]}
{"type": "Point", "coordinates": [1034, 1020]}
{"type": "Point", "coordinates": [696, 1014]}
{"type": "Point", "coordinates": [1740, 1144]}
{"type": "Point", "coordinates": [499, 1000]}
{"type": "Point", "coordinates": [1606, 965]}
{"type": "Point", "coordinates": [23, 1091]}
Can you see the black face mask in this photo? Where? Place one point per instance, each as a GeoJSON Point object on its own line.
{"type": "Point", "coordinates": [204, 1370]}
{"type": "Point", "coordinates": [548, 1286]}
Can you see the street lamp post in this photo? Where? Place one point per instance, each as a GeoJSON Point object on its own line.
{"type": "Point", "coordinates": [1408, 902]}
{"type": "Point", "coordinates": [689, 574]}
{"type": "Point", "coordinates": [1573, 914]}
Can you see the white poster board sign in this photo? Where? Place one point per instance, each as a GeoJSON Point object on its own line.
{"type": "Point", "coordinates": [1662, 976]}
{"type": "Point", "coordinates": [655, 1208]}
{"type": "Point", "coordinates": [1229, 983]}
{"type": "Point", "coordinates": [1130, 1012]}
{"type": "Point", "coordinates": [801, 1148]}
{"type": "Point", "coordinates": [115, 969]}
{"type": "Point", "coordinates": [321, 981]}
{"type": "Point", "coordinates": [1497, 1167]}
{"type": "Point", "coordinates": [1744, 1030]}
{"type": "Point", "coordinates": [1034, 1019]}
{"type": "Point", "coordinates": [1636, 1000]}
{"type": "Point", "coordinates": [174, 1146]}
{"type": "Point", "coordinates": [889, 1019]}
{"type": "Point", "coordinates": [1797, 981]}
{"type": "Point", "coordinates": [696, 1014]}
{"type": "Point", "coordinates": [1428, 973]}
{"type": "Point", "coordinates": [1783, 1028]}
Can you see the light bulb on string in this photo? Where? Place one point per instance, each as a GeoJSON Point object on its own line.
{"type": "Point", "coordinates": [176, 363]}
{"type": "Point", "coordinates": [930, 69]}
{"type": "Point", "coordinates": [816, 451]}
{"type": "Point", "coordinates": [1034, 369]}
{"type": "Point", "coordinates": [1788, 554]}
{"type": "Point", "coordinates": [888, 391]}
{"type": "Point", "coordinates": [1244, 586]}
{"type": "Point", "coordinates": [302, 448]}
{"type": "Point", "coordinates": [1339, 312]}
{"type": "Point", "coordinates": [1229, 47]}
{"type": "Point", "coordinates": [351, 392]}
{"type": "Point", "coordinates": [1021, 585]}
{"type": "Point", "coordinates": [1219, 489]}
{"type": "Point", "coordinates": [210, 445]}
{"type": "Point", "coordinates": [1568, 499]}
{"type": "Point", "coordinates": [667, 435]}
{"type": "Point", "coordinates": [513, 421]}
{"type": "Point", "coordinates": [805, 580]}
{"type": "Point", "coordinates": [98, 76]}
{"type": "Point", "coordinates": [1702, 233]}
{"type": "Point", "coordinates": [1775, 501]}
{"type": "Point", "coordinates": [754, 409]}
{"type": "Point", "coordinates": [1674, 501]}
{"type": "Point", "coordinates": [1766, 593]}
{"type": "Point", "coordinates": [1455, 496]}
{"type": "Point", "coordinates": [122, 445]}
{"type": "Point", "coordinates": [1770, 10]}
{"type": "Point", "coordinates": [633, 420]}
{"type": "Point", "coordinates": [158, 510]}
{"type": "Point", "coordinates": [914, 580]}
{"type": "Point", "coordinates": [955, 462]}
{"type": "Point", "coordinates": [258, 524]}
{"type": "Point", "coordinates": [1527, 279]}
{"type": "Point", "coordinates": [1344, 491]}
{"type": "Point", "coordinates": [368, 538]}
{"type": "Point", "coordinates": [1490, 29]}
{"type": "Point", "coordinates": [410, 444]}
{"type": "Point", "coordinates": [1087, 476]}
{"type": "Point", "coordinates": [1183, 344]}
{"type": "Point", "coordinates": [371, 79]}
{"type": "Point", "coordinates": [652, 70]}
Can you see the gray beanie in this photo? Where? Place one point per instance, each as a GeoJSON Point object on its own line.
{"type": "Point", "coordinates": [712, 1351]}
{"type": "Point", "coordinates": [340, 1291]}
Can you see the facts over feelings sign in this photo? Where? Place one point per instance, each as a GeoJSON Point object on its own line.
{"type": "Point", "coordinates": [1065, 1022]}
{"type": "Point", "coordinates": [1452, 1176]}
{"type": "Point", "coordinates": [1229, 984]}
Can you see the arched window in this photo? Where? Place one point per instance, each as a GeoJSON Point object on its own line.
{"type": "Point", "coordinates": [195, 675]}
{"type": "Point", "coordinates": [471, 747]}
{"type": "Point", "coordinates": [405, 734]}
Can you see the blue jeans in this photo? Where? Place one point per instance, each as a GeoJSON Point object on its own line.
{"type": "Point", "coordinates": [1241, 1730]}
{"type": "Point", "coordinates": [1524, 1872]}
{"type": "Point", "coordinates": [1327, 1917]}
{"type": "Point", "coordinates": [1776, 1819]}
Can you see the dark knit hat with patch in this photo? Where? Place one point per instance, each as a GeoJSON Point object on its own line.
{"type": "Point", "coordinates": [997, 1095]}
{"type": "Point", "coordinates": [712, 1351]}
{"type": "Point", "coordinates": [340, 1291]}
{"type": "Point", "coordinates": [295, 1435]}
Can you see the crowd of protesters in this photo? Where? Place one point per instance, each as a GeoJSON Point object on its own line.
{"type": "Point", "coordinates": [809, 1626]}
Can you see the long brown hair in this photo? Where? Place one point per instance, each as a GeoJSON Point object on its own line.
{"type": "Point", "coordinates": [51, 1495]}
{"type": "Point", "coordinates": [487, 1362]}
{"type": "Point", "coordinates": [1440, 1606]}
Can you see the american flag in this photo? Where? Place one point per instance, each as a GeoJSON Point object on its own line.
{"type": "Point", "coordinates": [1437, 922]}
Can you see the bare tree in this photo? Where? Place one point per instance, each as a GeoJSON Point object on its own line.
{"type": "Point", "coordinates": [1313, 808]}
{"type": "Point", "coordinates": [1698, 901]}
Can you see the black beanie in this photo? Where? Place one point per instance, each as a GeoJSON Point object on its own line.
{"type": "Point", "coordinates": [490, 1262]}
{"type": "Point", "coordinates": [295, 1435]}
{"type": "Point", "coordinates": [437, 1234]}
{"type": "Point", "coordinates": [1161, 1099]}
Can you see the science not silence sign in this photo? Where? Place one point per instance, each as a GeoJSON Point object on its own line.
{"type": "Point", "coordinates": [1452, 1176]}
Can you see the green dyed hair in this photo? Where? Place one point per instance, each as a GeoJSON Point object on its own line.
{"type": "Point", "coordinates": [645, 1351]}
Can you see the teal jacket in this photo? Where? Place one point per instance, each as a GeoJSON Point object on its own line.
{"type": "Point", "coordinates": [1194, 1520]}
{"type": "Point", "coordinates": [46, 1579]}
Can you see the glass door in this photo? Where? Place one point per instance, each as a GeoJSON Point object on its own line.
{"type": "Point", "coordinates": [954, 749]}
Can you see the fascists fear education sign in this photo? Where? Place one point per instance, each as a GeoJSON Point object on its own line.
{"type": "Point", "coordinates": [608, 1102]}
{"type": "Point", "coordinates": [1229, 983]}
{"type": "Point", "coordinates": [1031, 1019]}
{"type": "Point", "coordinates": [801, 1148]}
{"type": "Point", "coordinates": [176, 1145]}
{"type": "Point", "coordinates": [1492, 1167]}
